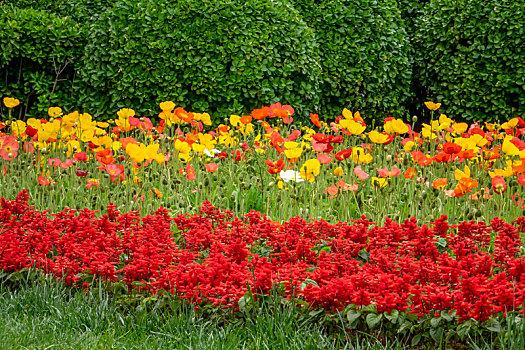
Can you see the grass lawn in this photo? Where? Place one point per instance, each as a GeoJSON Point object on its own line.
{"type": "Point", "coordinates": [44, 314]}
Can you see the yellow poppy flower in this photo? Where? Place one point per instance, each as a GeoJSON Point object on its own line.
{"type": "Point", "coordinates": [54, 112]}
{"type": "Point", "coordinates": [10, 102]}
{"type": "Point", "coordinates": [395, 126]}
{"type": "Point", "coordinates": [458, 174]}
{"type": "Point", "coordinates": [310, 169]}
{"type": "Point", "coordinates": [377, 137]}
{"type": "Point", "coordinates": [432, 106]}
{"type": "Point", "coordinates": [167, 106]}
{"type": "Point", "coordinates": [381, 182]}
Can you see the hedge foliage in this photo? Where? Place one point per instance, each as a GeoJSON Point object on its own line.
{"type": "Point", "coordinates": [471, 57]}
{"type": "Point", "coordinates": [79, 10]}
{"type": "Point", "coordinates": [218, 56]}
{"type": "Point", "coordinates": [37, 58]}
{"type": "Point", "coordinates": [381, 57]}
{"type": "Point", "coordinates": [364, 52]}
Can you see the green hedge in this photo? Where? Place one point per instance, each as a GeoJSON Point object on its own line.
{"type": "Point", "coordinates": [216, 56]}
{"type": "Point", "coordinates": [365, 55]}
{"type": "Point", "coordinates": [470, 55]}
{"type": "Point", "coordinates": [381, 57]}
{"type": "Point", "coordinates": [37, 57]}
{"type": "Point", "coordinates": [79, 10]}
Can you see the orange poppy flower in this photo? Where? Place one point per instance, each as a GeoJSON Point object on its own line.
{"type": "Point", "coordinates": [190, 173]}
{"type": "Point", "coordinates": [439, 183]}
{"type": "Point", "coordinates": [92, 183]}
{"type": "Point", "coordinates": [324, 158]}
{"type": "Point", "coordinates": [465, 184]}
{"type": "Point", "coordinates": [211, 167]}
{"type": "Point", "coordinates": [384, 172]}
{"type": "Point", "coordinates": [246, 119]}
{"type": "Point", "coordinates": [260, 113]}
{"type": "Point", "coordinates": [157, 193]}
{"type": "Point", "coordinates": [360, 173]}
{"type": "Point", "coordinates": [315, 120]}
{"type": "Point", "coordinates": [410, 173]}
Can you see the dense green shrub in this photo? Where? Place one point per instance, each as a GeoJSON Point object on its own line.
{"type": "Point", "coordinates": [80, 10]}
{"type": "Point", "coordinates": [218, 56]}
{"type": "Point", "coordinates": [364, 53]}
{"type": "Point", "coordinates": [471, 56]}
{"type": "Point", "coordinates": [37, 57]}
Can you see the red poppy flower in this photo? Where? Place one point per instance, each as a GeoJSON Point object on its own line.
{"type": "Point", "coordinates": [515, 141]}
{"type": "Point", "coordinates": [115, 171]}
{"type": "Point", "coordinates": [30, 131]}
{"type": "Point", "coordinates": [498, 184]}
{"type": "Point", "coordinates": [294, 135]}
{"type": "Point", "coordinates": [275, 168]}
{"type": "Point", "coordinates": [238, 155]}
{"type": "Point", "coordinates": [451, 148]}
{"type": "Point", "coordinates": [521, 179]}
{"type": "Point", "coordinates": [105, 156]}
{"type": "Point", "coordinates": [80, 157]}
{"type": "Point", "coordinates": [421, 158]}
{"type": "Point", "coordinates": [346, 153]}
{"type": "Point", "coordinates": [43, 181]}
{"type": "Point", "coordinates": [442, 157]}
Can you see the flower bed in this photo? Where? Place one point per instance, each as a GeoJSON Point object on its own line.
{"type": "Point", "coordinates": [215, 258]}
{"type": "Point", "coordinates": [266, 162]}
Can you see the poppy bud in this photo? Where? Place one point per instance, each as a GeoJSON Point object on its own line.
{"type": "Point", "coordinates": [81, 173]}
{"type": "Point", "coordinates": [414, 119]}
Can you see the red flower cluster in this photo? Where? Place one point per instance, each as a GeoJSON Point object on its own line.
{"type": "Point", "coordinates": [215, 257]}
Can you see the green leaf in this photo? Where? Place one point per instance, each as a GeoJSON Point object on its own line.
{"type": "Point", "coordinates": [493, 325]}
{"type": "Point", "coordinates": [353, 316]}
{"type": "Point", "coordinates": [392, 317]}
{"type": "Point", "coordinates": [372, 320]}
{"type": "Point", "coordinates": [307, 282]}
{"type": "Point", "coordinates": [404, 326]}
{"type": "Point", "coordinates": [464, 328]}
{"type": "Point", "coordinates": [436, 333]}
{"type": "Point", "coordinates": [435, 322]}
{"type": "Point", "coordinates": [416, 339]}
